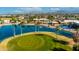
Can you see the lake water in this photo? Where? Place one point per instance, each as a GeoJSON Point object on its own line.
{"type": "Point", "coordinates": [7, 31]}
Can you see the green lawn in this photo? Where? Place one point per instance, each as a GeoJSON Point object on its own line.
{"type": "Point", "coordinates": [36, 42]}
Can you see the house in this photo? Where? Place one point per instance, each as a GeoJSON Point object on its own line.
{"type": "Point", "coordinates": [21, 17]}
{"type": "Point", "coordinates": [55, 23]}
{"type": "Point", "coordinates": [73, 21]}
{"type": "Point", "coordinates": [6, 20]}
{"type": "Point", "coordinates": [41, 20]}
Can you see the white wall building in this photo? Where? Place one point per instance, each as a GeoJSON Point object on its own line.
{"type": "Point", "coordinates": [6, 20]}
{"type": "Point", "coordinates": [75, 21]}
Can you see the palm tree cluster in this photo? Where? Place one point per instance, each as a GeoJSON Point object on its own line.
{"type": "Point", "coordinates": [14, 23]}
{"type": "Point", "coordinates": [76, 40]}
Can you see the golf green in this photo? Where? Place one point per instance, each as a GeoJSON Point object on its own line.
{"type": "Point", "coordinates": [34, 42]}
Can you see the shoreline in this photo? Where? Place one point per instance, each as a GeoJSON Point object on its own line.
{"type": "Point", "coordinates": [46, 25]}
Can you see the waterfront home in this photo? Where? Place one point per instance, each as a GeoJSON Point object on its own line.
{"type": "Point", "coordinates": [21, 17]}
{"type": "Point", "coordinates": [73, 21]}
{"type": "Point", "coordinates": [55, 23]}
{"type": "Point", "coordinates": [6, 20]}
{"type": "Point", "coordinates": [41, 20]}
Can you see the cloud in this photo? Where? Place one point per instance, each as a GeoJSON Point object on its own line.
{"type": "Point", "coordinates": [54, 9]}
{"type": "Point", "coordinates": [35, 9]}
{"type": "Point", "coordinates": [10, 10]}
{"type": "Point", "coordinates": [29, 9]}
{"type": "Point", "coordinates": [18, 11]}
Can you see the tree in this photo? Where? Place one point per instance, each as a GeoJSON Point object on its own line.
{"type": "Point", "coordinates": [30, 18]}
{"type": "Point", "coordinates": [22, 25]}
{"type": "Point", "coordinates": [13, 20]}
{"type": "Point", "coordinates": [76, 40]}
{"type": "Point", "coordinates": [77, 18]}
{"type": "Point", "coordinates": [51, 18]}
{"type": "Point", "coordinates": [1, 21]}
{"type": "Point", "coordinates": [58, 28]}
{"type": "Point", "coordinates": [37, 23]}
{"type": "Point", "coordinates": [14, 29]}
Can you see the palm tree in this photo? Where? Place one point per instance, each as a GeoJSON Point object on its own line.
{"type": "Point", "coordinates": [51, 18]}
{"type": "Point", "coordinates": [22, 25]}
{"type": "Point", "coordinates": [76, 39]}
{"type": "Point", "coordinates": [14, 29]}
{"type": "Point", "coordinates": [30, 18]}
{"type": "Point", "coordinates": [13, 20]}
{"type": "Point", "coordinates": [37, 26]}
{"type": "Point", "coordinates": [58, 28]}
{"type": "Point", "coordinates": [36, 23]}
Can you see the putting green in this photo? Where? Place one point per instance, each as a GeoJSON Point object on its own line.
{"type": "Point", "coordinates": [34, 42]}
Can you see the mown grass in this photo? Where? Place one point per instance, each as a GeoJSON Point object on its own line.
{"type": "Point", "coordinates": [36, 42]}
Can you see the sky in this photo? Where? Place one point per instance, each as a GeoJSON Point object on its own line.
{"type": "Point", "coordinates": [20, 10]}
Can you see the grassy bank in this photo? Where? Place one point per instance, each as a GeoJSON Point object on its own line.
{"type": "Point", "coordinates": [37, 41]}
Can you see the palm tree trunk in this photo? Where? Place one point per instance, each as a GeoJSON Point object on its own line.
{"type": "Point", "coordinates": [14, 34]}
{"type": "Point", "coordinates": [77, 41]}
{"type": "Point", "coordinates": [21, 29]}
{"type": "Point", "coordinates": [56, 34]}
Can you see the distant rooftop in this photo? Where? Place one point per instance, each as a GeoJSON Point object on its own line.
{"type": "Point", "coordinates": [40, 19]}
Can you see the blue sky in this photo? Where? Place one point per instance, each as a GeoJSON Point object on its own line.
{"type": "Point", "coordinates": [15, 10]}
